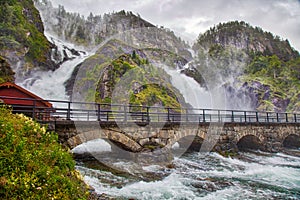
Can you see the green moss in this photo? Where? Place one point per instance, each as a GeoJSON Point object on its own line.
{"type": "Point", "coordinates": [23, 26]}
{"type": "Point", "coordinates": [155, 94]}
{"type": "Point", "coordinates": [33, 164]}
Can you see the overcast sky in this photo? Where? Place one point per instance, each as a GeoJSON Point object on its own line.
{"type": "Point", "coordinates": [188, 18]}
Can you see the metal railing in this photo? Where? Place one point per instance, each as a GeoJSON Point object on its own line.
{"type": "Point", "coordinates": [83, 111]}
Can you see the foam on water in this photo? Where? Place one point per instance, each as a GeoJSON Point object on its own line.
{"type": "Point", "coordinates": [171, 187]}
{"type": "Point", "coordinates": [268, 173]}
{"type": "Point", "coordinates": [211, 176]}
{"type": "Point", "coordinates": [97, 145]}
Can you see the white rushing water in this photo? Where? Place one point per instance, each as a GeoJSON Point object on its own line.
{"type": "Point", "coordinates": [210, 176]}
{"type": "Point", "coordinates": [212, 98]}
{"type": "Point", "coordinates": [98, 145]}
{"type": "Point", "coordinates": [193, 93]}
{"type": "Point", "coordinates": [50, 84]}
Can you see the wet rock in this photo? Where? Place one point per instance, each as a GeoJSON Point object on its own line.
{"type": "Point", "coordinates": [157, 157]}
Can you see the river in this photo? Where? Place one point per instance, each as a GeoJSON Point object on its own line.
{"type": "Point", "coordinates": [249, 175]}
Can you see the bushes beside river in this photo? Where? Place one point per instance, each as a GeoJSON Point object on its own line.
{"type": "Point", "coordinates": [32, 163]}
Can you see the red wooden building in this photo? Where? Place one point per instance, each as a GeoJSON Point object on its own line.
{"type": "Point", "coordinates": [24, 101]}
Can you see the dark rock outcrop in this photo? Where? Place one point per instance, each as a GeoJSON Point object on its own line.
{"type": "Point", "coordinates": [6, 73]}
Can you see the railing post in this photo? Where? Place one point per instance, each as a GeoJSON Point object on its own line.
{"type": "Point", "coordinates": [168, 114]}
{"type": "Point", "coordinates": [245, 116]}
{"type": "Point", "coordinates": [267, 117]}
{"type": "Point", "coordinates": [98, 112]}
{"type": "Point", "coordinates": [125, 113]}
{"type": "Point", "coordinates": [203, 115]}
{"type": "Point", "coordinates": [295, 117]}
{"type": "Point", "coordinates": [286, 117]}
{"type": "Point", "coordinates": [257, 119]}
{"type": "Point", "coordinates": [232, 116]}
{"type": "Point", "coordinates": [277, 117]}
{"type": "Point", "coordinates": [69, 111]}
{"type": "Point", "coordinates": [219, 116]}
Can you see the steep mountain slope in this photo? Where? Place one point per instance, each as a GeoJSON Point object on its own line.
{"type": "Point", "coordinates": [22, 42]}
{"type": "Point", "coordinates": [116, 37]}
{"type": "Point", "coordinates": [249, 62]}
{"type": "Point", "coordinates": [242, 36]}
{"type": "Point", "coordinates": [275, 83]}
{"type": "Point", "coordinates": [120, 73]}
{"type": "Point", "coordinates": [95, 29]}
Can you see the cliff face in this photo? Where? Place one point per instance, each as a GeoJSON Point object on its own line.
{"type": "Point", "coordinates": [95, 29]}
{"type": "Point", "coordinates": [242, 36]}
{"type": "Point", "coordinates": [22, 42]}
{"type": "Point", "coordinates": [249, 61]}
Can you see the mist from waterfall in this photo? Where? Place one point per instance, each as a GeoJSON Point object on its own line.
{"type": "Point", "coordinates": [220, 77]}
{"type": "Point", "coordinates": [214, 97]}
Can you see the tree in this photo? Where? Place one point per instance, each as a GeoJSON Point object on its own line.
{"type": "Point", "coordinates": [80, 32]}
{"type": "Point", "coordinates": [133, 54]}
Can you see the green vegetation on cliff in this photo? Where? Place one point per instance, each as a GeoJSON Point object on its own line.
{"type": "Point", "coordinates": [145, 84]}
{"type": "Point", "coordinates": [256, 62]}
{"type": "Point", "coordinates": [6, 74]}
{"type": "Point", "coordinates": [21, 32]}
{"type": "Point", "coordinates": [276, 83]}
{"type": "Point", "coordinates": [33, 165]}
{"type": "Point", "coordinates": [252, 40]}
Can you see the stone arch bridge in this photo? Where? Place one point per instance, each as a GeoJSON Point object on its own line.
{"type": "Point", "coordinates": [224, 137]}
{"type": "Point", "coordinates": [136, 127]}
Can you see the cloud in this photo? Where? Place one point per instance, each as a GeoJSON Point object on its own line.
{"type": "Point", "coordinates": [189, 18]}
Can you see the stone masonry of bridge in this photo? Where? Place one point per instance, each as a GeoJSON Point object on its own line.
{"type": "Point", "coordinates": [135, 137]}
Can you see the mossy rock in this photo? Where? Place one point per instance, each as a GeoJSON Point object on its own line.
{"type": "Point", "coordinates": [6, 73]}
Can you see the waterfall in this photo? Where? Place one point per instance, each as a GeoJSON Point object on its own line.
{"type": "Point", "coordinates": [217, 97]}
{"type": "Point", "coordinates": [193, 94]}
{"type": "Point", "coordinates": [50, 84]}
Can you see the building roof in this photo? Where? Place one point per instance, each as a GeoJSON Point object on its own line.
{"type": "Point", "coordinates": [30, 94]}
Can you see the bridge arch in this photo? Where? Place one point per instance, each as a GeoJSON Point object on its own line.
{"type": "Point", "coordinates": [179, 136]}
{"type": "Point", "coordinates": [249, 142]}
{"type": "Point", "coordinates": [192, 143]}
{"type": "Point", "coordinates": [291, 141]}
{"type": "Point", "coordinates": [117, 138]}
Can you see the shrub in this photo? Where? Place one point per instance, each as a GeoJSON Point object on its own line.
{"type": "Point", "coordinates": [33, 165]}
